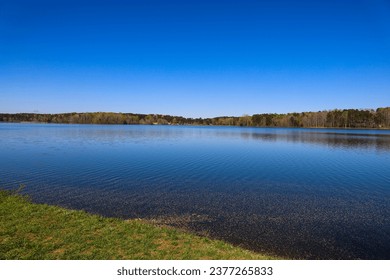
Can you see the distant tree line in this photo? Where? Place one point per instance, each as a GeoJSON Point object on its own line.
{"type": "Point", "coordinates": [347, 118]}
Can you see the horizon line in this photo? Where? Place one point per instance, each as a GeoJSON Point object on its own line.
{"type": "Point", "coordinates": [224, 116]}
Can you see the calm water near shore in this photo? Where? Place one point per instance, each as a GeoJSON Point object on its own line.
{"type": "Point", "coordinates": [298, 193]}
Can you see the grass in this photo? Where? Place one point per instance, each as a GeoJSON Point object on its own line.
{"type": "Point", "coordinates": [38, 231]}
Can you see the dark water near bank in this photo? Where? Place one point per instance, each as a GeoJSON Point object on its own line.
{"type": "Point", "coordinates": [301, 193]}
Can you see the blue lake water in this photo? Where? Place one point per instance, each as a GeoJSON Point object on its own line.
{"type": "Point", "coordinates": [299, 193]}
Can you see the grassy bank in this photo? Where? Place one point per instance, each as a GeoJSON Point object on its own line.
{"type": "Point", "coordinates": [38, 231]}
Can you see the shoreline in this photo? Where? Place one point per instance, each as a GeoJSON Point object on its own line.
{"type": "Point", "coordinates": [41, 232]}
{"type": "Point", "coordinates": [207, 125]}
{"type": "Point", "coordinates": [336, 118]}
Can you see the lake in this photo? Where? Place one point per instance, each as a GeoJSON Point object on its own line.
{"type": "Point", "coordinates": [296, 193]}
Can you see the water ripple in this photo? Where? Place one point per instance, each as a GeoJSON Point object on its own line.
{"type": "Point", "coordinates": [297, 193]}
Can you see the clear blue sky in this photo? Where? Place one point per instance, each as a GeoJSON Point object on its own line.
{"type": "Point", "coordinates": [193, 58]}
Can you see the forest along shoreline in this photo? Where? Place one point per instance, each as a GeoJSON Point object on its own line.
{"type": "Point", "coordinates": [346, 118]}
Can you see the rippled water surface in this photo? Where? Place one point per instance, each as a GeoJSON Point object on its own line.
{"type": "Point", "coordinates": [300, 193]}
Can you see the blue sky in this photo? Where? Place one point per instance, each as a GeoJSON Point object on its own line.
{"type": "Point", "coordinates": [193, 58]}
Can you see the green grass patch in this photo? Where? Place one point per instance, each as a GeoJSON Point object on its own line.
{"type": "Point", "coordinates": [40, 231]}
